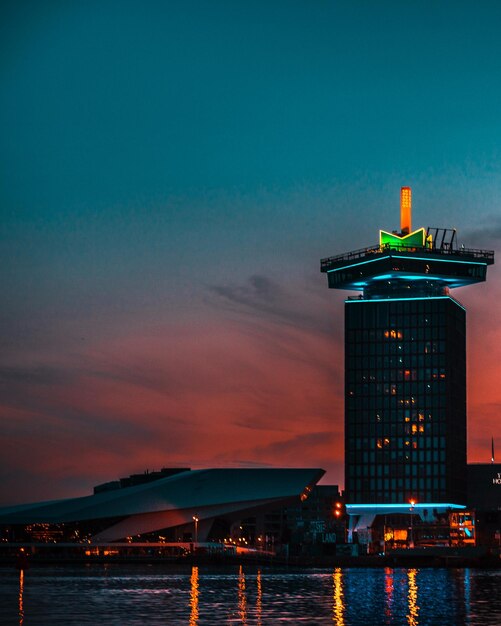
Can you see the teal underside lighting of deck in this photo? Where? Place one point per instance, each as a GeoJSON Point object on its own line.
{"type": "Point", "coordinates": [372, 266]}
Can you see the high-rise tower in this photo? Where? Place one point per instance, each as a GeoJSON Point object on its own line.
{"type": "Point", "coordinates": [405, 367]}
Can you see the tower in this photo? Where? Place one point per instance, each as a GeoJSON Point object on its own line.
{"type": "Point", "coordinates": [405, 368]}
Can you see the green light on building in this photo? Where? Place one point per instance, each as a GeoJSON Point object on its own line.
{"type": "Point", "coordinates": [416, 239]}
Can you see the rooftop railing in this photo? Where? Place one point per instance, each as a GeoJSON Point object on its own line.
{"type": "Point", "coordinates": [471, 253]}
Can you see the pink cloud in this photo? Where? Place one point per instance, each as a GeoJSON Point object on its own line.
{"type": "Point", "coordinates": [182, 395]}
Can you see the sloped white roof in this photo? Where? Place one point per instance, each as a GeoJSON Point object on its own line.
{"type": "Point", "coordinates": [186, 490]}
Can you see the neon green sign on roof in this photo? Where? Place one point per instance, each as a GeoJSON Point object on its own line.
{"type": "Point", "coordinates": [416, 239]}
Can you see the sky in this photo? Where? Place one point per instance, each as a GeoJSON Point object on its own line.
{"type": "Point", "coordinates": [171, 174]}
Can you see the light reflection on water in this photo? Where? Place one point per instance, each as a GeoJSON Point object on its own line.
{"type": "Point", "coordinates": [259, 599]}
{"type": "Point", "coordinates": [412, 594]}
{"type": "Point", "coordinates": [194, 596]}
{"type": "Point", "coordinates": [338, 603]}
{"type": "Point", "coordinates": [242, 599]}
{"type": "Point", "coordinates": [388, 590]}
{"type": "Point", "coordinates": [246, 595]}
{"type": "Point", "coordinates": [20, 597]}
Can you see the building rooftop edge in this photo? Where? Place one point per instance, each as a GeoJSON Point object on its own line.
{"type": "Point", "coordinates": [459, 254]}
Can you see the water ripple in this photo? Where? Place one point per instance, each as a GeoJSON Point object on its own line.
{"type": "Point", "coordinates": [250, 596]}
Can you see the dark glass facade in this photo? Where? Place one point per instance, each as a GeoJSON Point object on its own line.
{"type": "Point", "coordinates": [405, 412]}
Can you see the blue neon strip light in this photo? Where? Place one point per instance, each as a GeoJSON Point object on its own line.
{"type": "Point", "coordinates": [398, 256]}
{"type": "Point", "coordinates": [416, 276]}
{"type": "Point", "coordinates": [419, 505]}
{"type": "Point", "coordinates": [406, 300]}
{"type": "Point", "coordinates": [418, 258]}
{"type": "Point", "coordinates": [345, 267]}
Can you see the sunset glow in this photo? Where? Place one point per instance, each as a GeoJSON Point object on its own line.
{"type": "Point", "coordinates": [171, 179]}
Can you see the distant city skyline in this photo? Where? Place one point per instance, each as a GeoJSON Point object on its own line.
{"type": "Point", "coordinates": [171, 176]}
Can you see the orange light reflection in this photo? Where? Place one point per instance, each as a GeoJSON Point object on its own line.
{"type": "Point", "coordinates": [259, 598]}
{"type": "Point", "coordinates": [338, 607]}
{"type": "Point", "coordinates": [242, 599]}
{"type": "Point", "coordinates": [21, 594]}
{"type": "Point", "coordinates": [194, 592]}
{"type": "Point", "coordinates": [388, 588]}
{"type": "Point", "coordinates": [412, 616]}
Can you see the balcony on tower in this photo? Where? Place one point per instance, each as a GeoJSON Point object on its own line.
{"type": "Point", "coordinates": [424, 262]}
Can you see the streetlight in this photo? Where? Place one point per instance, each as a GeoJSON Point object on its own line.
{"type": "Point", "coordinates": [339, 518]}
{"type": "Point", "coordinates": [413, 504]}
{"type": "Point", "coordinates": [195, 519]}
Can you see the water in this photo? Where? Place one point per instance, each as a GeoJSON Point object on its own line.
{"type": "Point", "coordinates": [195, 596]}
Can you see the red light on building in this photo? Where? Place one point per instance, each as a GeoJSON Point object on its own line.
{"type": "Point", "coordinates": [405, 210]}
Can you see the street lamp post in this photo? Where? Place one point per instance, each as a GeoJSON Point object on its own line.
{"type": "Point", "coordinates": [412, 503]}
{"type": "Point", "coordinates": [384, 536]}
{"type": "Point", "coordinates": [195, 519]}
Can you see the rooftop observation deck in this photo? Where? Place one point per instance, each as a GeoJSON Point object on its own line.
{"type": "Point", "coordinates": [396, 267]}
{"type": "Point", "coordinates": [459, 254]}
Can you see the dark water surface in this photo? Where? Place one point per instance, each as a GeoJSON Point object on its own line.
{"type": "Point", "coordinates": [153, 595]}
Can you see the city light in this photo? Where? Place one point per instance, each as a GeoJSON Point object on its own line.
{"type": "Point", "coordinates": [409, 242]}
{"type": "Point", "coordinates": [196, 519]}
{"type": "Point", "coordinates": [412, 502]}
{"type": "Point", "coordinates": [405, 210]}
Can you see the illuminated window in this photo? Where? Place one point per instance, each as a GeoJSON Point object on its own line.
{"type": "Point", "coordinates": [393, 334]}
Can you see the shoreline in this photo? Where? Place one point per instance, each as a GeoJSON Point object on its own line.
{"type": "Point", "coordinates": [485, 561]}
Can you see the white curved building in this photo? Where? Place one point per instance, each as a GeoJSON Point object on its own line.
{"type": "Point", "coordinates": [169, 503]}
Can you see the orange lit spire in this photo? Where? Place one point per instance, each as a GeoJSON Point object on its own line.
{"type": "Point", "coordinates": [405, 210]}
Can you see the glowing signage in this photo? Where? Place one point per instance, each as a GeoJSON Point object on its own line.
{"type": "Point", "coordinates": [416, 239]}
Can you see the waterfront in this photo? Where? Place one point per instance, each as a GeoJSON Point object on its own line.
{"type": "Point", "coordinates": [157, 594]}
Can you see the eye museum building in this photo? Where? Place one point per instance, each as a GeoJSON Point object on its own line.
{"type": "Point", "coordinates": [172, 506]}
